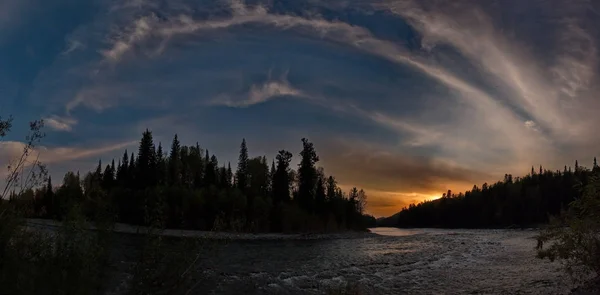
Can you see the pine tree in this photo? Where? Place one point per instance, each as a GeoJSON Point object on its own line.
{"type": "Point", "coordinates": [197, 166]}
{"type": "Point", "coordinates": [281, 181]}
{"type": "Point", "coordinates": [98, 172]}
{"type": "Point", "coordinates": [307, 174]}
{"type": "Point", "coordinates": [107, 177]}
{"type": "Point", "coordinates": [131, 173]}
{"type": "Point", "coordinates": [160, 165]}
{"type": "Point", "coordinates": [123, 172]}
{"type": "Point", "coordinates": [146, 162]}
{"type": "Point", "coordinates": [210, 177]}
{"type": "Point", "coordinates": [175, 163]}
{"type": "Point", "coordinates": [241, 175]}
{"type": "Point", "coordinates": [331, 188]}
{"type": "Point", "coordinates": [229, 175]}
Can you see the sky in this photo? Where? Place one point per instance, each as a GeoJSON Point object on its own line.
{"type": "Point", "coordinates": [405, 99]}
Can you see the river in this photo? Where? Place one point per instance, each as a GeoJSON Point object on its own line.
{"type": "Point", "coordinates": [385, 261]}
{"type": "Point", "coordinates": [391, 261]}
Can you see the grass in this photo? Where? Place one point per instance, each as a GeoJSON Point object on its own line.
{"type": "Point", "coordinates": [76, 260]}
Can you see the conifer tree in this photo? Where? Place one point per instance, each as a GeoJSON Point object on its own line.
{"type": "Point", "coordinates": [307, 175]}
{"type": "Point", "coordinates": [331, 188]}
{"type": "Point", "coordinates": [107, 178]}
{"type": "Point", "coordinates": [175, 163]}
{"type": "Point", "coordinates": [146, 163]}
{"type": "Point", "coordinates": [123, 172]}
{"type": "Point", "coordinates": [281, 181]}
{"type": "Point", "coordinates": [241, 175]}
{"type": "Point", "coordinates": [131, 173]}
{"type": "Point", "coordinates": [229, 175]}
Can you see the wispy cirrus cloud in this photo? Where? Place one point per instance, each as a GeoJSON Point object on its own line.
{"type": "Point", "coordinates": [10, 150]}
{"type": "Point", "coordinates": [261, 93]}
{"type": "Point", "coordinates": [73, 45]}
{"type": "Point", "coordinates": [60, 123]}
{"type": "Point", "coordinates": [446, 85]}
{"type": "Point", "coordinates": [502, 118]}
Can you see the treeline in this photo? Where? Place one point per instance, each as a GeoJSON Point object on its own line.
{"type": "Point", "coordinates": [512, 202]}
{"type": "Point", "coordinates": [188, 188]}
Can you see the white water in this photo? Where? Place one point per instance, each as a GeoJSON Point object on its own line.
{"type": "Point", "coordinates": [396, 261]}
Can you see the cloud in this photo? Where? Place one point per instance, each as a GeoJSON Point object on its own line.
{"type": "Point", "coordinates": [485, 97]}
{"type": "Point", "coordinates": [73, 45]}
{"type": "Point", "coordinates": [261, 93]}
{"type": "Point", "coordinates": [467, 28]}
{"type": "Point", "coordinates": [60, 123]}
{"type": "Point", "coordinates": [124, 41]}
{"type": "Point", "coordinates": [10, 150]}
{"type": "Point", "coordinates": [500, 119]}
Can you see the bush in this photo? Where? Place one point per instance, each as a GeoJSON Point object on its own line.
{"type": "Point", "coordinates": [574, 238]}
{"type": "Point", "coordinates": [75, 259]}
{"type": "Point", "coordinates": [69, 261]}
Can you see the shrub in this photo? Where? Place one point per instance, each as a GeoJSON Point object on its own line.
{"type": "Point", "coordinates": [574, 238]}
{"type": "Point", "coordinates": [69, 261]}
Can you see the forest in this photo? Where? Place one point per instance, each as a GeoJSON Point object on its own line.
{"type": "Point", "coordinates": [187, 188]}
{"type": "Point", "coordinates": [512, 202]}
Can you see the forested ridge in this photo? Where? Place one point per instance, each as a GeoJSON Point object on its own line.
{"type": "Point", "coordinates": [187, 187]}
{"type": "Point", "coordinates": [512, 202]}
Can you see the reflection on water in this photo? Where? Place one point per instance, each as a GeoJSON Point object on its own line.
{"type": "Point", "coordinates": [396, 232]}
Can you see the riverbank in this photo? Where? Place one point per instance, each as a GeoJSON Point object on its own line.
{"type": "Point", "coordinates": [590, 287]}
{"type": "Point", "coordinates": [46, 224]}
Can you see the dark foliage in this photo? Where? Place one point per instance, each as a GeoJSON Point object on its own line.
{"type": "Point", "coordinates": [512, 202]}
{"type": "Point", "coordinates": [192, 191]}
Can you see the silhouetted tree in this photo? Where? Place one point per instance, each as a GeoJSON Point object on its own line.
{"type": "Point", "coordinates": [281, 181]}
{"type": "Point", "coordinates": [175, 163]}
{"type": "Point", "coordinates": [146, 162]}
{"type": "Point", "coordinates": [189, 190]}
{"type": "Point", "coordinates": [241, 175]}
{"type": "Point", "coordinates": [307, 175]}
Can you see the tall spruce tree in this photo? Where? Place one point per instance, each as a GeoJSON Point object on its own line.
{"type": "Point", "coordinates": [175, 163]}
{"type": "Point", "coordinates": [241, 175]}
{"type": "Point", "coordinates": [307, 175]}
{"type": "Point", "coordinates": [281, 181]}
{"type": "Point", "coordinates": [123, 172]}
{"type": "Point", "coordinates": [131, 171]}
{"type": "Point", "coordinates": [146, 162]}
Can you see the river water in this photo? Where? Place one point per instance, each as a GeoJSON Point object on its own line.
{"type": "Point", "coordinates": [385, 261]}
{"type": "Point", "coordinates": [391, 261]}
